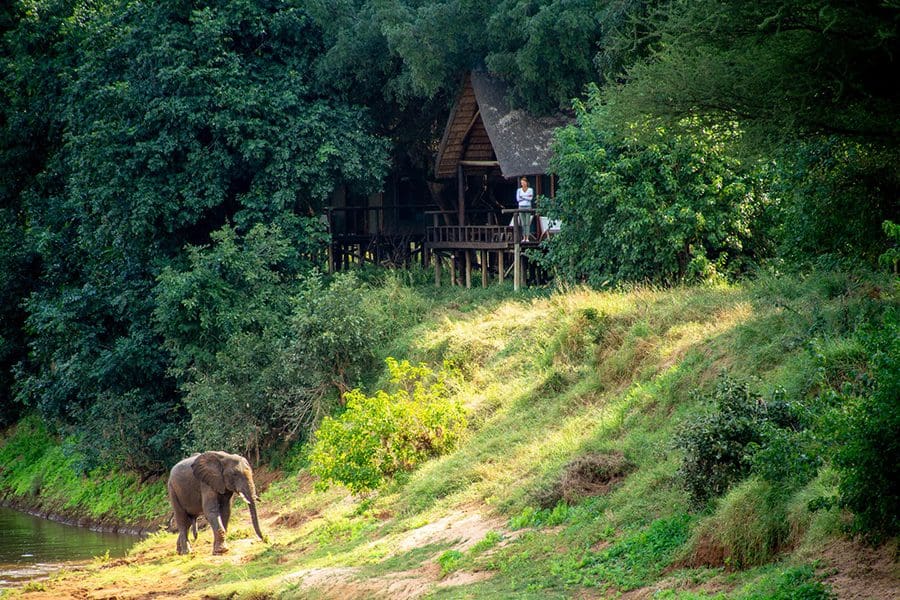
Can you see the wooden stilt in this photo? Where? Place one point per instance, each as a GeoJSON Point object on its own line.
{"type": "Point", "coordinates": [330, 258]}
{"type": "Point", "coordinates": [453, 269]}
{"type": "Point", "coordinates": [437, 268]}
{"type": "Point", "coordinates": [484, 268]}
{"type": "Point", "coordinates": [517, 265]}
{"type": "Point", "coordinates": [468, 270]}
{"type": "Point", "coordinates": [501, 266]}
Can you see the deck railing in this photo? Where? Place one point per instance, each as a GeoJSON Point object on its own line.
{"type": "Point", "coordinates": [487, 237]}
{"type": "Point", "coordinates": [470, 236]}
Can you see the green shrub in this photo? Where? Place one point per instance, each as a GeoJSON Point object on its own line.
{"type": "Point", "coordinates": [334, 330]}
{"type": "Point", "coordinates": [891, 258]}
{"type": "Point", "coordinates": [865, 426]}
{"type": "Point", "coordinates": [718, 445]}
{"type": "Point", "coordinates": [380, 436]}
{"type": "Point", "coordinates": [669, 208]}
{"type": "Point", "coordinates": [793, 583]}
{"type": "Point", "coordinates": [449, 560]}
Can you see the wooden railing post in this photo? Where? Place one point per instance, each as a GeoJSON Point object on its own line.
{"type": "Point", "coordinates": [453, 269]}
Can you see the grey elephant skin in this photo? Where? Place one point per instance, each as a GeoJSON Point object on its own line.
{"type": "Point", "coordinates": [205, 484]}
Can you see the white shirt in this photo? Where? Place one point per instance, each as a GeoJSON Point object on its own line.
{"type": "Point", "coordinates": [524, 197]}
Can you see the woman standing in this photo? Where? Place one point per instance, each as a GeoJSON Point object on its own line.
{"type": "Point", "coordinates": [524, 196]}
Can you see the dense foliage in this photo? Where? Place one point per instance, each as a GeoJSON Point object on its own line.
{"type": "Point", "coordinates": [177, 121]}
{"type": "Point", "coordinates": [381, 436]}
{"type": "Point", "coordinates": [787, 442]}
{"type": "Point", "coordinates": [669, 208]}
{"type": "Point", "coordinates": [718, 446]}
{"type": "Point", "coordinates": [865, 424]}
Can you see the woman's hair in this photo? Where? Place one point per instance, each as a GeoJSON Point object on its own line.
{"type": "Point", "coordinates": [523, 178]}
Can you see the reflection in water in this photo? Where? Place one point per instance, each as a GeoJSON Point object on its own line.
{"type": "Point", "coordinates": [31, 548]}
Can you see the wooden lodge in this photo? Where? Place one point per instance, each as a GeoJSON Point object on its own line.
{"type": "Point", "coordinates": [470, 221]}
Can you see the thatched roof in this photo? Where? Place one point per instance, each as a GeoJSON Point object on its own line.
{"type": "Point", "coordinates": [483, 127]}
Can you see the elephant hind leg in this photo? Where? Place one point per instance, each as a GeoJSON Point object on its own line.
{"type": "Point", "coordinates": [182, 523]}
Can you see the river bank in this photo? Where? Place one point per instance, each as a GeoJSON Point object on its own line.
{"type": "Point", "coordinates": [40, 475]}
{"type": "Point", "coordinates": [33, 548]}
{"type": "Point", "coordinates": [76, 518]}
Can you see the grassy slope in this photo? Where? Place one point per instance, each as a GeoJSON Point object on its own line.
{"type": "Point", "coordinates": [548, 379]}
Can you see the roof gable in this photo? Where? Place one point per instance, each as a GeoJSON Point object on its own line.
{"type": "Point", "coordinates": [519, 141]}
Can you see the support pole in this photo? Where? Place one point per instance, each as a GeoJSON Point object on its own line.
{"type": "Point", "coordinates": [453, 269]}
{"type": "Point", "coordinates": [517, 265]}
{"type": "Point", "coordinates": [501, 266]}
{"type": "Point", "coordinates": [468, 270]}
{"type": "Point", "coordinates": [484, 268]}
{"type": "Point", "coordinates": [437, 268]}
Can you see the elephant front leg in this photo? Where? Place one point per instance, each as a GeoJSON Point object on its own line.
{"type": "Point", "coordinates": [219, 546]}
{"type": "Point", "coordinates": [218, 529]}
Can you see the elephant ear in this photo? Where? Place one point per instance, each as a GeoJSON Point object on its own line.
{"type": "Point", "coordinates": [208, 468]}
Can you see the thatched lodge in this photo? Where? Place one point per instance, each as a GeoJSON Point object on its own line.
{"type": "Point", "coordinates": [487, 145]}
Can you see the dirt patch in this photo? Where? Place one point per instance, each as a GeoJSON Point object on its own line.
{"type": "Point", "coordinates": [462, 529]}
{"type": "Point", "coordinates": [263, 477]}
{"type": "Point", "coordinates": [706, 552]}
{"type": "Point", "coordinates": [464, 578]}
{"type": "Point", "coordinates": [344, 583]}
{"type": "Point", "coordinates": [858, 572]}
{"type": "Point", "coordinates": [296, 519]}
{"type": "Point", "coordinates": [589, 475]}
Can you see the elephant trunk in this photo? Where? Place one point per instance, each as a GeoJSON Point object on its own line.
{"type": "Point", "coordinates": [249, 495]}
{"type": "Point", "coordinates": [255, 520]}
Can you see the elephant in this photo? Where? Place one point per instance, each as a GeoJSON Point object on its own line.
{"type": "Point", "coordinates": [204, 484]}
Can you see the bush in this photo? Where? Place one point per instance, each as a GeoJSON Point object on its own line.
{"type": "Point", "coordinates": [380, 436]}
{"type": "Point", "coordinates": [334, 331]}
{"type": "Point", "coordinates": [670, 208]}
{"type": "Point", "coordinates": [865, 426]}
{"type": "Point", "coordinates": [718, 446]}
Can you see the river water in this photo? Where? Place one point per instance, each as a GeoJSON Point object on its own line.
{"type": "Point", "coordinates": [32, 548]}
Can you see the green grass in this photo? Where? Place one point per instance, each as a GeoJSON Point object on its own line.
{"type": "Point", "coordinates": [549, 377]}
{"type": "Point", "coordinates": [37, 465]}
